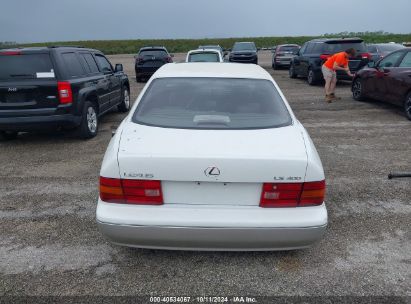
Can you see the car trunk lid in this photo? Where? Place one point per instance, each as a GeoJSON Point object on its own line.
{"type": "Point", "coordinates": [27, 81]}
{"type": "Point", "coordinates": [224, 167]}
{"type": "Point", "coordinates": [28, 94]}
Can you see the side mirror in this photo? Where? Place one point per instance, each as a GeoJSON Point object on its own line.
{"type": "Point", "coordinates": [113, 130]}
{"type": "Point", "coordinates": [172, 55]}
{"type": "Point", "coordinates": [118, 68]}
{"type": "Point", "coordinates": [229, 50]}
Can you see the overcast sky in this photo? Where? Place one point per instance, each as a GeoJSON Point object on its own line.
{"type": "Point", "coordinates": [62, 20]}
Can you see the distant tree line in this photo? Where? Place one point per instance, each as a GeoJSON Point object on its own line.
{"type": "Point", "coordinates": [184, 45]}
{"type": "Point", "coordinates": [4, 44]}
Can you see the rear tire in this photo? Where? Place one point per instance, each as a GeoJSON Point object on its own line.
{"type": "Point", "coordinates": [407, 106]}
{"type": "Point", "coordinates": [89, 121]}
{"type": "Point", "coordinates": [124, 106]}
{"type": "Point", "coordinates": [357, 91]}
{"type": "Point", "coordinates": [291, 72]}
{"type": "Point", "coordinates": [275, 67]}
{"type": "Point", "coordinates": [8, 135]}
{"type": "Point", "coordinates": [311, 77]}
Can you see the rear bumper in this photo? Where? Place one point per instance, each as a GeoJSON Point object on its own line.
{"type": "Point", "coordinates": [283, 61]}
{"type": "Point", "coordinates": [28, 123]}
{"type": "Point", "coordinates": [212, 239]}
{"type": "Point", "coordinates": [244, 60]}
{"type": "Point", "coordinates": [235, 228]}
{"type": "Point", "coordinates": [146, 71]}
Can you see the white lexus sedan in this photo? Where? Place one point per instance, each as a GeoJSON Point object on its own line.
{"type": "Point", "coordinates": [211, 157]}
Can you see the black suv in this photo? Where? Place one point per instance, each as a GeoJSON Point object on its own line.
{"type": "Point", "coordinates": [68, 87]}
{"type": "Point", "coordinates": [244, 52]}
{"type": "Point", "coordinates": [149, 60]}
{"type": "Point", "coordinates": [312, 55]}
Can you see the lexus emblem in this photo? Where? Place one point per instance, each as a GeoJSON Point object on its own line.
{"type": "Point", "coordinates": [212, 172]}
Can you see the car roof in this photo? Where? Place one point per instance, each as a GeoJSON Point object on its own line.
{"type": "Point", "coordinates": [336, 40]}
{"type": "Point", "coordinates": [42, 49]}
{"type": "Point", "coordinates": [204, 51]}
{"type": "Point", "coordinates": [153, 48]}
{"type": "Point", "coordinates": [280, 45]}
{"type": "Point", "coordinates": [213, 70]}
{"type": "Point", "coordinates": [385, 43]}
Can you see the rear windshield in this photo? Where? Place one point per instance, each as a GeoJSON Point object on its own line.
{"type": "Point", "coordinates": [203, 57]}
{"type": "Point", "coordinates": [390, 47]}
{"type": "Point", "coordinates": [155, 53]}
{"type": "Point", "coordinates": [331, 48]}
{"type": "Point", "coordinates": [372, 48]}
{"type": "Point", "coordinates": [26, 66]}
{"type": "Point", "coordinates": [288, 48]}
{"type": "Point", "coordinates": [212, 103]}
{"type": "Point", "coordinates": [244, 46]}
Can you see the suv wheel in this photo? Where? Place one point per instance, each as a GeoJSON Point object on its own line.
{"type": "Point", "coordinates": [124, 106]}
{"type": "Point", "coordinates": [311, 77]}
{"type": "Point", "coordinates": [357, 92]}
{"type": "Point", "coordinates": [274, 66]}
{"type": "Point", "coordinates": [407, 106]}
{"type": "Point", "coordinates": [291, 71]}
{"type": "Point", "coordinates": [9, 135]}
{"type": "Point", "coordinates": [89, 121]}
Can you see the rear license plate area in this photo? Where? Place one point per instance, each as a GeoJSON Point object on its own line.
{"type": "Point", "coordinates": [13, 98]}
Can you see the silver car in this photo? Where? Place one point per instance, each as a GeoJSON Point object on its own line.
{"type": "Point", "coordinates": [283, 54]}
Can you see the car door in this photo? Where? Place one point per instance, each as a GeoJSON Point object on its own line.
{"type": "Point", "coordinates": [297, 59]}
{"type": "Point", "coordinates": [399, 80]}
{"type": "Point", "coordinates": [385, 77]}
{"type": "Point", "coordinates": [113, 81]}
{"type": "Point", "coordinates": [96, 79]}
{"type": "Point", "coordinates": [306, 58]}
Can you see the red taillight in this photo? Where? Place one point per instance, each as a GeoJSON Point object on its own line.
{"type": "Point", "coordinates": [292, 194]}
{"type": "Point", "coordinates": [65, 92]}
{"type": "Point", "coordinates": [366, 56]}
{"type": "Point", "coordinates": [142, 192]}
{"type": "Point", "coordinates": [129, 191]}
{"type": "Point", "coordinates": [313, 193]}
{"type": "Point", "coordinates": [325, 56]}
{"type": "Point", "coordinates": [111, 190]}
{"type": "Point", "coordinates": [10, 53]}
{"type": "Point", "coordinates": [280, 195]}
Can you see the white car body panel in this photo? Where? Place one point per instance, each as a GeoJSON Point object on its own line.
{"type": "Point", "coordinates": [212, 216]}
{"type": "Point", "coordinates": [212, 213]}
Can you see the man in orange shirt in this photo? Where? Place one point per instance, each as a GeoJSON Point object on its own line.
{"type": "Point", "coordinates": [338, 61]}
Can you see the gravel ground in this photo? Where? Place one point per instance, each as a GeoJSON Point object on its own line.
{"type": "Point", "coordinates": [50, 245]}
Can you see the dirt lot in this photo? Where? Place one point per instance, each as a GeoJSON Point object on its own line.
{"type": "Point", "coordinates": [50, 244]}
